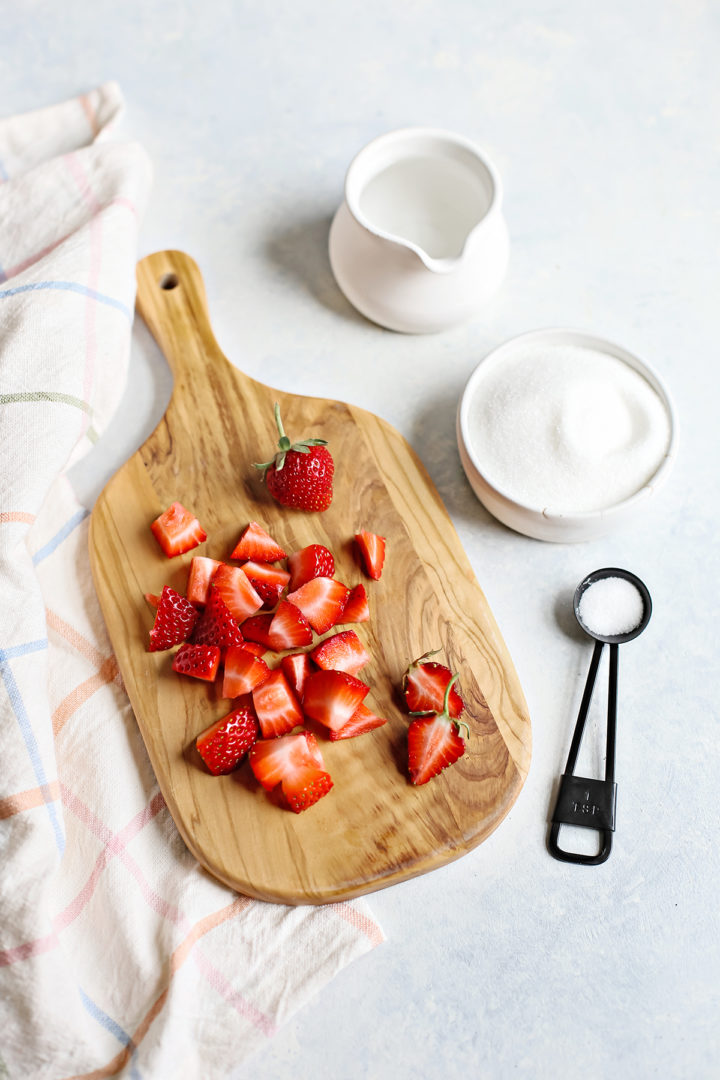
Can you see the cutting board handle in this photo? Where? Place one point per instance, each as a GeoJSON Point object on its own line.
{"type": "Point", "coordinates": [171, 299]}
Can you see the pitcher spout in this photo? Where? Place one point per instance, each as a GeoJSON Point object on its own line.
{"type": "Point", "coordinates": [420, 229]}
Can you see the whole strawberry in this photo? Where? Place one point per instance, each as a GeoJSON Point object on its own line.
{"type": "Point", "coordinates": [301, 474]}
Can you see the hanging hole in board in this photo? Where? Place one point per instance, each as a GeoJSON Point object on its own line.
{"type": "Point", "coordinates": [169, 281]}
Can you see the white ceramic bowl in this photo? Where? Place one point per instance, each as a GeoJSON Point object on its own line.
{"type": "Point", "coordinates": [536, 521]}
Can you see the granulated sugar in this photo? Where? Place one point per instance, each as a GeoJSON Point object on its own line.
{"type": "Point", "coordinates": [610, 606]}
{"type": "Point", "coordinates": [567, 428]}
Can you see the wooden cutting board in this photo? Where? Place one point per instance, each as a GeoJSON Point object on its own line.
{"type": "Point", "coordinates": [374, 828]}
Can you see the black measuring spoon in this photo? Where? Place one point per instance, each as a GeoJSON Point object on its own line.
{"type": "Point", "coordinates": [581, 801]}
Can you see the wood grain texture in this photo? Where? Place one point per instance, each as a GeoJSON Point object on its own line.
{"type": "Point", "coordinates": [374, 829]}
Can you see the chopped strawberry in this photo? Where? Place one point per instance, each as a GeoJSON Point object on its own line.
{"type": "Point", "coordinates": [361, 721]}
{"type": "Point", "coordinates": [276, 706]}
{"type": "Point", "coordinates": [174, 620]}
{"type": "Point", "coordinates": [216, 626]}
{"type": "Point", "coordinates": [332, 697]}
{"type": "Point", "coordinates": [308, 563]}
{"type": "Point", "coordinates": [295, 762]}
{"type": "Point", "coordinates": [297, 666]}
{"type": "Point", "coordinates": [256, 630]}
{"type": "Point", "coordinates": [357, 608]}
{"type": "Point", "coordinates": [256, 544]}
{"type": "Point", "coordinates": [152, 598]}
{"type": "Point", "coordinates": [255, 647]}
{"type": "Point", "coordinates": [372, 550]}
{"type": "Point", "coordinates": [199, 578]}
{"type": "Point", "coordinates": [268, 581]}
{"type": "Point", "coordinates": [242, 672]}
{"type": "Point", "coordinates": [304, 788]}
{"type": "Point", "coordinates": [301, 474]}
{"type": "Point", "coordinates": [237, 592]}
{"type": "Point", "coordinates": [434, 741]}
{"type": "Point", "coordinates": [225, 743]}
{"type": "Point", "coordinates": [270, 758]}
{"type": "Point", "coordinates": [424, 685]}
{"type": "Point", "coordinates": [177, 530]}
{"type": "Point", "coordinates": [200, 661]}
{"type": "Point", "coordinates": [341, 652]}
{"type": "Point", "coordinates": [289, 628]}
{"type": "Point", "coordinates": [322, 601]}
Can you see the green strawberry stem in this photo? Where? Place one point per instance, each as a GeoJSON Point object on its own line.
{"type": "Point", "coordinates": [421, 659]}
{"type": "Point", "coordinates": [446, 705]}
{"type": "Point", "coordinates": [285, 445]}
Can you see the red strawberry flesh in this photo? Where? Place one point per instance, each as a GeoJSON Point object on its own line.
{"type": "Point", "coordinates": [256, 544]}
{"type": "Point", "coordinates": [342, 652]}
{"type": "Point", "coordinates": [424, 687]}
{"type": "Point", "coordinates": [216, 626]}
{"type": "Point", "coordinates": [331, 697]}
{"type": "Point", "coordinates": [322, 601]}
{"type": "Point", "coordinates": [297, 666]}
{"type": "Point", "coordinates": [199, 661]}
{"type": "Point", "coordinates": [356, 609]}
{"type": "Point", "coordinates": [295, 762]}
{"type": "Point", "coordinates": [308, 563]}
{"type": "Point", "coordinates": [224, 744]}
{"type": "Point", "coordinates": [277, 708]}
{"type": "Point", "coordinates": [177, 530]}
{"type": "Point", "coordinates": [237, 592]}
{"type": "Point", "coordinates": [256, 629]}
{"type": "Point", "coordinates": [372, 550]}
{"type": "Point", "coordinates": [175, 619]}
{"type": "Point", "coordinates": [433, 743]}
{"type": "Point", "coordinates": [242, 672]}
{"type": "Point", "coordinates": [289, 628]}
{"type": "Point", "coordinates": [361, 721]}
{"type": "Point", "coordinates": [268, 581]}
{"type": "Point", "coordinates": [199, 578]}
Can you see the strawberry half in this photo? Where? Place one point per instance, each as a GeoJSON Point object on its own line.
{"type": "Point", "coordinates": [424, 686]}
{"type": "Point", "coordinates": [361, 721]}
{"type": "Point", "coordinates": [341, 652]}
{"type": "Point", "coordinates": [357, 608]}
{"type": "Point", "coordinates": [199, 578]}
{"type": "Point", "coordinates": [295, 762]}
{"type": "Point", "coordinates": [372, 550]}
{"type": "Point", "coordinates": [174, 620]}
{"type": "Point", "coordinates": [267, 581]}
{"type": "Point", "coordinates": [332, 697]}
{"type": "Point", "coordinates": [322, 601]}
{"type": "Point", "coordinates": [301, 474]}
{"type": "Point", "coordinates": [434, 741]}
{"type": "Point", "coordinates": [297, 666]}
{"type": "Point", "coordinates": [216, 626]}
{"type": "Point", "coordinates": [257, 545]}
{"type": "Point", "coordinates": [242, 672]}
{"type": "Point", "coordinates": [177, 530]}
{"type": "Point", "coordinates": [225, 743]}
{"type": "Point", "coordinates": [289, 628]}
{"type": "Point", "coordinates": [308, 563]}
{"type": "Point", "coordinates": [199, 661]}
{"type": "Point", "coordinates": [237, 592]}
{"type": "Point", "coordinates": [276, 706]}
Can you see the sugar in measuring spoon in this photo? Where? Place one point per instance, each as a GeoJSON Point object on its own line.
{"type": "Point", "coordinates": [612, 606]}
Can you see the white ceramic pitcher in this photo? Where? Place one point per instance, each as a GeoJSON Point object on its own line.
{"type": "Point", "coordinates": [419, 242]}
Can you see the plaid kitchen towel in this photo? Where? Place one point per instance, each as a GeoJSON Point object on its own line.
{"type": "Point", "coordinates": [119, 955]}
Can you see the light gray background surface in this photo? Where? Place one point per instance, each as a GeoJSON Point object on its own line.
{"type": "Point", "coordinates": [604, 122]}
